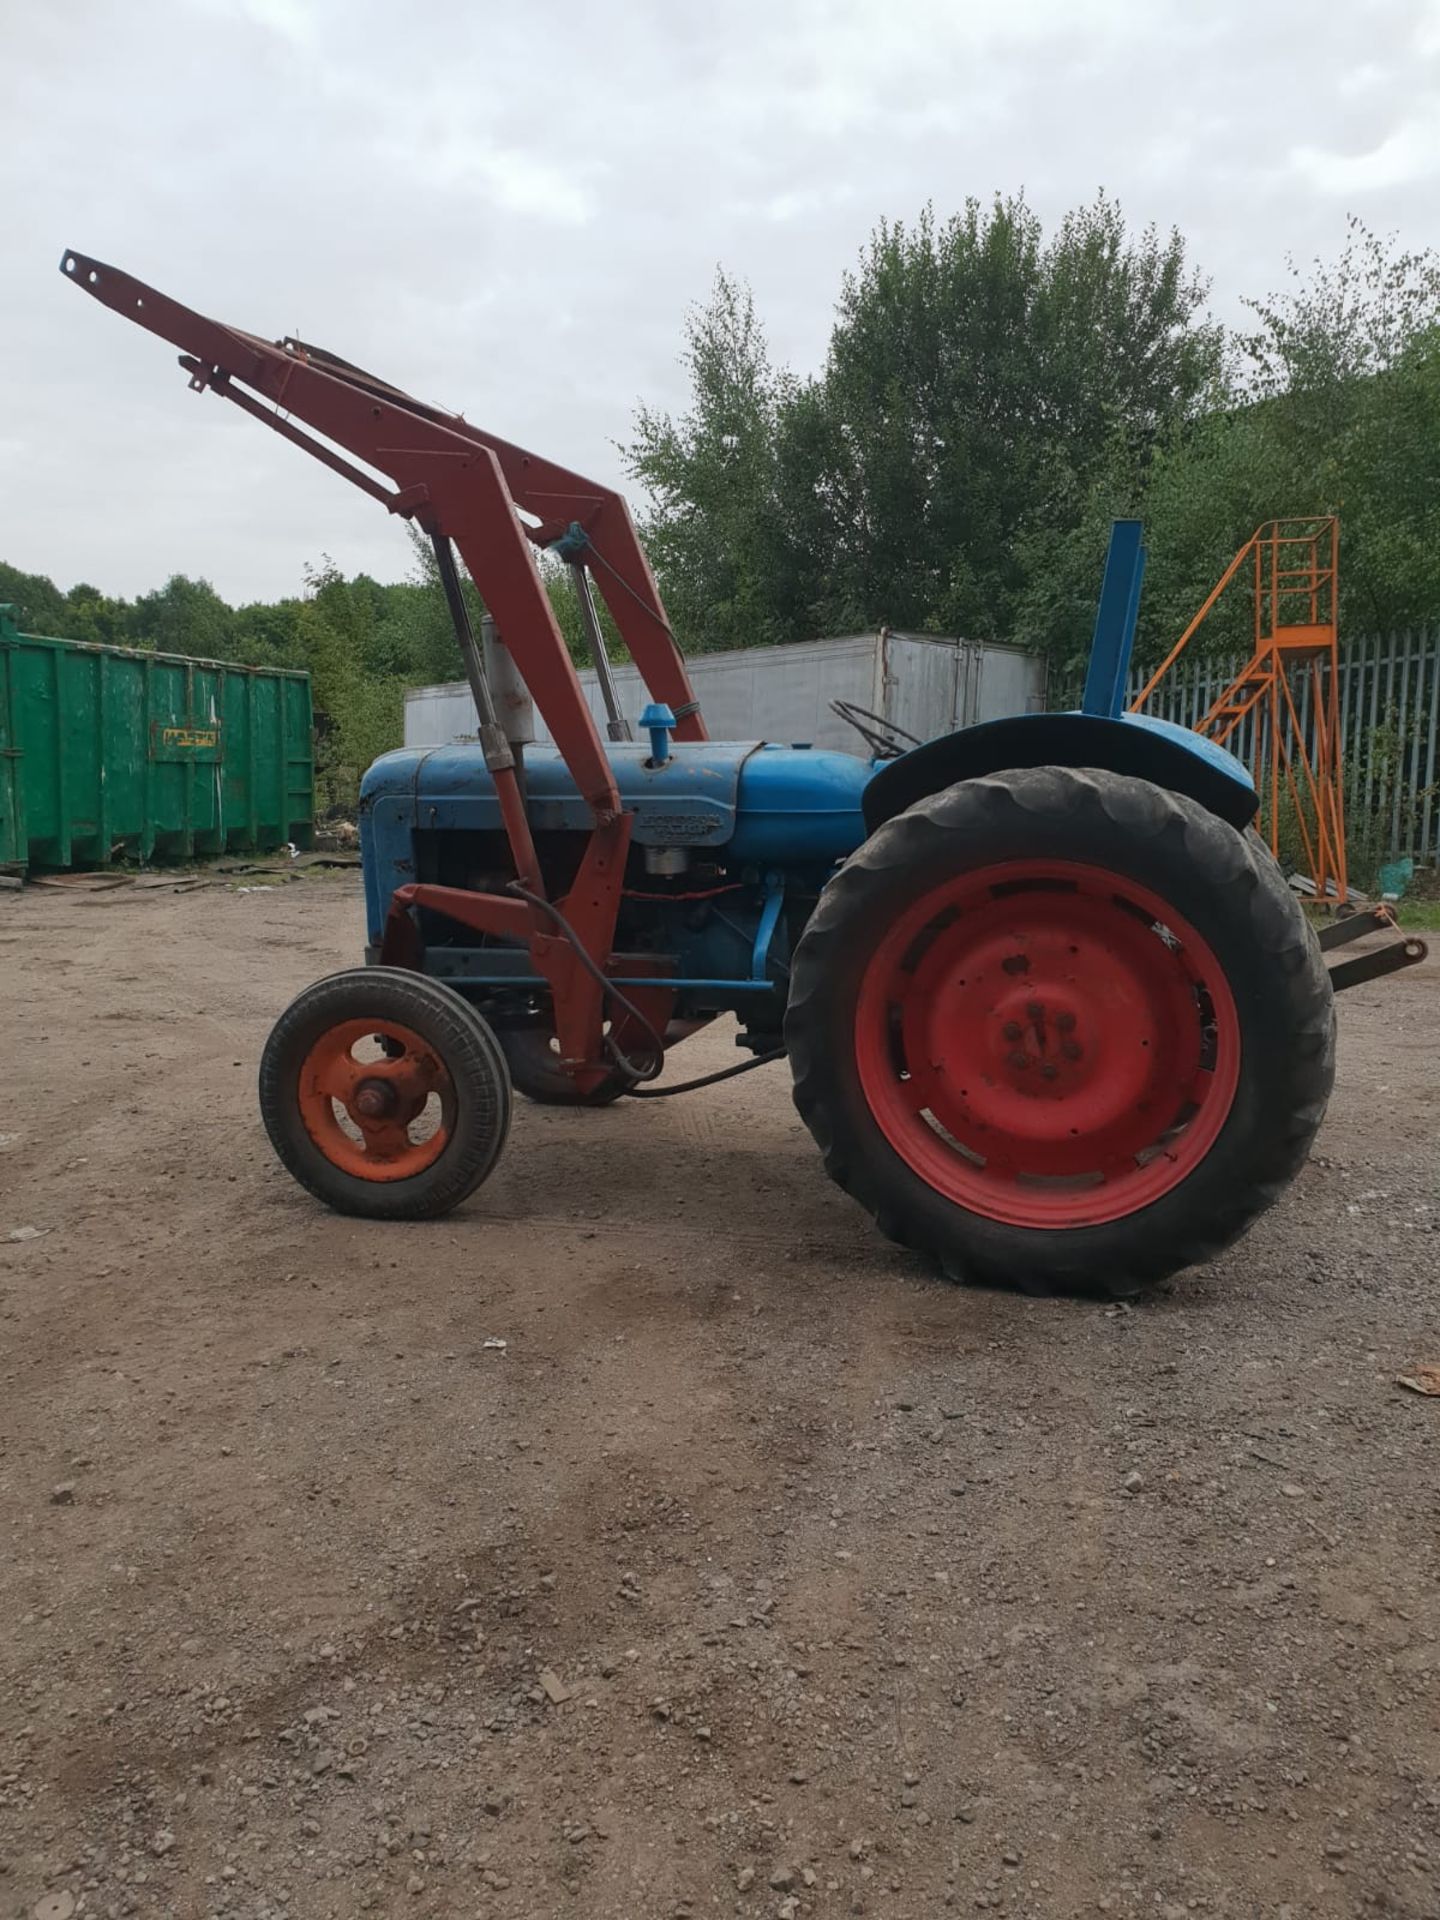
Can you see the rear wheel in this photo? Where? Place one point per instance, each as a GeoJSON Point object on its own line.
{"type": "Point", "coordinates": [385, 1094]}
{"type": "Point", "coordinates": [1061, 1028]}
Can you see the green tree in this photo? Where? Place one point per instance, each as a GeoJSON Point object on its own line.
{"type": "Point", "coordinates": [93, 615]}
{"type": "Point", "coordinates": [267, 633]}
{"type": "Point", "coordinates": [717, 533]}
{"type": "Point", "coordinates": [1344, 368]}
{"type": "Point", "coordinates": [1331, 405]}
{"type": "Point", "coordinates": [39, 604]}
{"type": "Point", "coordinates": [359, 712]}
{"type": "Point", "coordinates": [433, 648]}
{"type": "Point", "coordinates": [982, 381]}
{"type": "Point", "coordinates": [184, 616]}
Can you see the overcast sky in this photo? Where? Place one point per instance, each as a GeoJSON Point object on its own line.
{"type": "Point", "coordinates": [507, 208]}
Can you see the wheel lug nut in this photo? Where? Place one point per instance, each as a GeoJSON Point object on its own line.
{"type": "Point", "coordinates": [1011, 1029]}
{"type": "Point", "coordinates": [1048, 1072]}
{"type": "Point", "coordinates": [1019, 1059]}
{"type": "Point", "coordinates": [1035, 1010]}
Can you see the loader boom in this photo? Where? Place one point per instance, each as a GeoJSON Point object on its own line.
{"type": "Point", "coordinates": [496, 502]}
{"type": "Point", "coordinates": [454, 480]}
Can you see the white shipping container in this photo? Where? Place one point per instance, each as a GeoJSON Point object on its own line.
{"type": "Point", "coordinates": [926, 684]}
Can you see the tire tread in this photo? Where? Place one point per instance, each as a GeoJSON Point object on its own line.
{"type": "Point", "coordinates": [1219, 858]}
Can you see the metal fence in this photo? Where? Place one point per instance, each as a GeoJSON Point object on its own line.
{"type": "Point", "coordinates": [1389, 706]}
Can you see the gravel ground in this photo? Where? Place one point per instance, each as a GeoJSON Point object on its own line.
{"type": "Point", "coordinates": [759, 1573]}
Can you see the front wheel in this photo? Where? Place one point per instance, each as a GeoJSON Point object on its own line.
{"type": "Point", "coordinates": [1061, 1028]}
{"type": "Point", "coordinates": [385, 1094]}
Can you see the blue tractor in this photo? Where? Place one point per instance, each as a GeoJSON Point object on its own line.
{"type": "Point", "coordinates": [1051, 1011]}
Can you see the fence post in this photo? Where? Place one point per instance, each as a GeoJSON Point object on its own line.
{"type": "Point", "coordinates": [1430, 680]}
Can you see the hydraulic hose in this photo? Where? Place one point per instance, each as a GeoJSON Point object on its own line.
{"type": "Point", "coordinates": [654, 1067]}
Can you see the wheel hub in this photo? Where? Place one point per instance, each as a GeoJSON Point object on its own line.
{"type": "Point", "coordinates": [1043, 1035]}
{"type": "Point", "coordinates": [1041, 1042]}
{"type": "Point", "coordinates": [1036, 1047]}
{"type": "Point", "coordinates": [382, 1098]}
{"type": "Point", "coordinates": [374, 1100]}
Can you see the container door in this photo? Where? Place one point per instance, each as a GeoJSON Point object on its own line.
{"type": "Point", "coordinates": [298, 735]}
{"type": "Point", "coordinates": [923, 685]}
{"type": "Point", "coordinates": [12, 804]}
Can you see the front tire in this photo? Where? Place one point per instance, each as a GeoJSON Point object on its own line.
{"type": "Point", "coordinates": [1061, 1028]}
{"type": "Point", "coordinates": [385, 1094]}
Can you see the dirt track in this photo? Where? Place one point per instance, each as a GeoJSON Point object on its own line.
{"type": "Point", "coordinates": [834, 1563]}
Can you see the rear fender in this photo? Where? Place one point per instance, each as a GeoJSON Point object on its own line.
{"type": "Point", "coordinates": [1153, 750]}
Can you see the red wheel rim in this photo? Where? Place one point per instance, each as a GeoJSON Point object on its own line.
{"type": "Point", "coordinates": [1047, 1043]}
{"type": "Point", "coordinates": [384, 1099]}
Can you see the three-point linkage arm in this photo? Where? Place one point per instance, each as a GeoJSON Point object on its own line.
{"type": "Point", "coordinates": [468, 487]}
{"type": "Point", "coordinates": [456, 482]}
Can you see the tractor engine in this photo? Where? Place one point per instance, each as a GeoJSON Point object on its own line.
{"type": "Point", "coordinates": [732, 843]}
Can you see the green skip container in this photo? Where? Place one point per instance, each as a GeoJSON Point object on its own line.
{"type": "Point", "coordinates": [108, 753]}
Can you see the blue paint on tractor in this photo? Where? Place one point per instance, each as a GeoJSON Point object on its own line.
{"type": "Point", "coordinates": [1113, 639]}
{"type": "Point", "coordinates": [745, 801]}
{"type": "Point", "coordinates": [761, 827]}
{"type": "Point", "coordinates": [769, 920]}
{"type": "Point", "coordinates": [1217, 758]}
{"type": "Point", "coordinates": [659, 723]}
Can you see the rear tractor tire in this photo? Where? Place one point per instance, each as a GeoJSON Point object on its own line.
{"type": "Point", "coordinates": [385, 1094]}
{"type": "Point", "coordinates": [1061, 1029]}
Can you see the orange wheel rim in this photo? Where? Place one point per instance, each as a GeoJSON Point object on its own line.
{"type": "Point", "coordinates": [382, 1099]}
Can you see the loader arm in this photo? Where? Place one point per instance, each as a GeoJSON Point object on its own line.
{"type": "Point", "coordinates": [472, 489]}
{"type": "Point", "coordinates": [454, 480]}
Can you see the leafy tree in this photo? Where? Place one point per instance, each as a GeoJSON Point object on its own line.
{"type": "Point", "coordinates": [93, 615]}
{"type": "Point", "coordinates": [358, 711]}
{"type": "Point", "coordinates": [432, 649]}
{"type": "Point", "coordinates": [1344, 367]}
{"type": "Point", "coordinates": [981, 381]}
{"type": "Point", "coordinates": [183, 616]}
{"type": "Point", "coordinates": [717, 533]}
{"type": "Point", "coordinates": [267, 634]}
{"type": "Point", "coordinates": [1331, 405]}
{"type": "Point", "coordinates": [980, 378]}
{"type": "Point", "coordinates": [38, 603]}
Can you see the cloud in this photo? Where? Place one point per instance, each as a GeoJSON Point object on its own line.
{"type": "Point", "coordinates": [1407, 156]}
{"type": "Point", "coordinates": [292, 20]}
{"type": "Point", "coordinates": [509, 214]}
{"type": "Point", "coordinates": [511, 179]}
